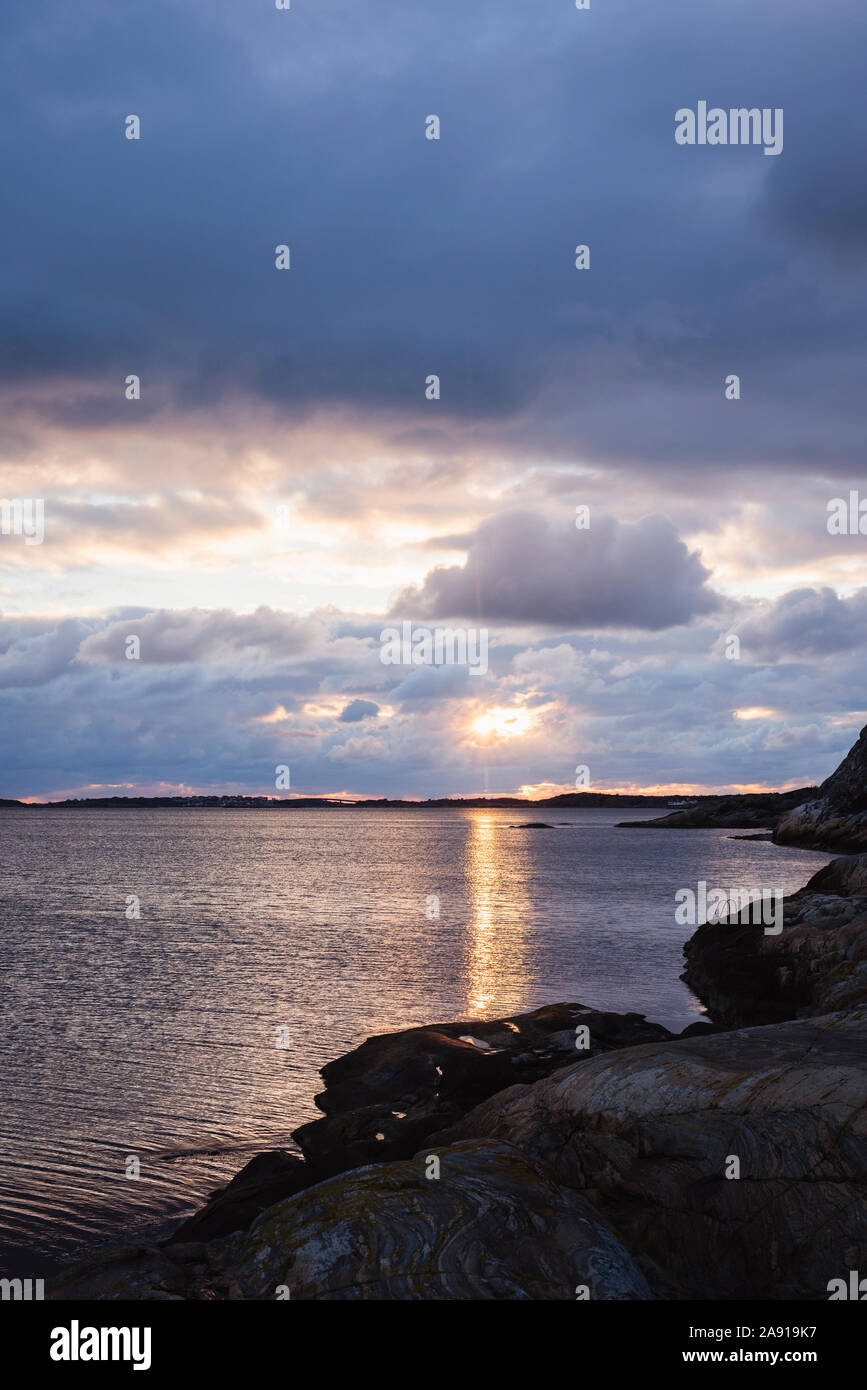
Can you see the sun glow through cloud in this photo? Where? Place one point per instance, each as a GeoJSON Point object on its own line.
{"type": "Point", "coordinates": [504, 723]}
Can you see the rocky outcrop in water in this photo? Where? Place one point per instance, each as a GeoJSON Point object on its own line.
{"type": "Point", "coordinates": [815, 964]}
{"type": "Point", "coordinates": [836, 818]}
{"type": "Point", "coordinates": [386, 1097]}
{"type": "Point", "coordinates": [722, 1166]}
{"type": "Point", "coordinates": [752, 811]}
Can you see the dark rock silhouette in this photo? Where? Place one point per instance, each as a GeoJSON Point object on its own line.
{"type": "Point", "coordinates": [817, 963]}
{"type": "Point", "coordinates": [385, 1098]}
{"type": "Point", "coordinates": [836, 818]}
{"type": "Point", "coordinates": [753, 810]}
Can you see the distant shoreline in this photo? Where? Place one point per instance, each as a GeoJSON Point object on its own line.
{"type": "Point", "coordinates": [577, 800]}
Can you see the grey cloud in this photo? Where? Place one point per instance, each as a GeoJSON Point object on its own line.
{"type": "Point", "coordinates": [522, 568]}
{"type": "Point", "coordinates": [357, 710]}
{"type": "Point", "coordinates": [432, 685]}
{"type": "Point", "coordinates": [452, 257]}
{"type": "Point", "coordinates": [169, 637]}
{"type": "Point", "coordinates": [454, 542]}
{"type": "Point", "coordinates": [807, 623]}
{"type": "Point", "coordinates": [164, 517]}
{"type": "Point", "coordinates": [638, 714]}
{"type": "Point", "coordinates": [358, 750]}
{"type": "Point", "coordinates": [34, 653]}
{"type": "Point", "coordinates": [77, 530]}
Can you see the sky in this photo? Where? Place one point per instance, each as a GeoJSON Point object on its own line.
{"type": "Point", "coordinates": [286, 488]}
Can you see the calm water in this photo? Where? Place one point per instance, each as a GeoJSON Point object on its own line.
{"type": "Point", "coordinates": [157, 1038]}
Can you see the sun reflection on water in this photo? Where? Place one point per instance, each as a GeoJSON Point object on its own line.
{"type": "Point", "coordinates": [496, 937]}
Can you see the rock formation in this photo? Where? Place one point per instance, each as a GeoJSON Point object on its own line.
{"type": "Point", "coordinates": [751, 811]}
{"type": "Point", "coordinates": [816, 964]}
{"type": "Point", "coordinates": [492, 1225]}
{"type": "Point", "coordinates": [649, 1133]}
{"type": "Point", "coordinates": [614, 1175]}
{"type": "Point", "coordinates": [382, 1100]}
{"type": "Point", "coordinates": [836, 818]}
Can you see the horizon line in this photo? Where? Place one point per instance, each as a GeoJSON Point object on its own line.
{"type": "Point", "coordinates": [352, 799]}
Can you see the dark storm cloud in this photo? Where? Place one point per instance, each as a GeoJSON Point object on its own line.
{"type": "Point", "coordinates": [826, 206]}
{"type": "Point", "coordinates": [522, 568]}
{"type": "Point", "coordinates": [455, 257]}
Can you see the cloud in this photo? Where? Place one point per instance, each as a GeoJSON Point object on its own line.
{"type": "Point", "coordinates": [558, 387]}
{"type": "Point", "coordinates": [358, 749]}
{"type": "Point", "coordinates": [522, 568]}
{"type": "Point", "coordinates": [807, 623]}
{"type": "Point", "coordinates": [357, 710]}
{"type": "Point", "coordinates": [33, 653]}
{"type": "Point", "coordinates": [178, 637]}
{"type": "Point", "coordinates": [637, 712]}
{"type": "Point", "coordinates": [162, 262]}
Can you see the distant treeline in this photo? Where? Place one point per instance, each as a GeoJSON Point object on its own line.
{"type": "Point", "coordinates": [301, 803]}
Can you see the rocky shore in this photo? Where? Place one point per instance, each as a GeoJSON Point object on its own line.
{"type": "Point", "coordinates": [816, 965]}
{"type": "Point", "coordinates": [750, 811]}
{"type": "Point", "coordinates": [836, 818]}
{"type": "Point", "coordinates": [573, 1153]}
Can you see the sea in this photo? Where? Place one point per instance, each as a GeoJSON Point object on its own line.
{"type": "Point", "coordinates": [173, 979]}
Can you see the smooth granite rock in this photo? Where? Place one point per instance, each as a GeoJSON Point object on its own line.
{"type": "Point", "coordinates": [492, 1225]}
{"type": "Point", "coordinates": [648, 1135]}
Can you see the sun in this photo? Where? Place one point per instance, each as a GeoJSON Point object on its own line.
{"type": "Point", "coordinates": [503, 723]}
